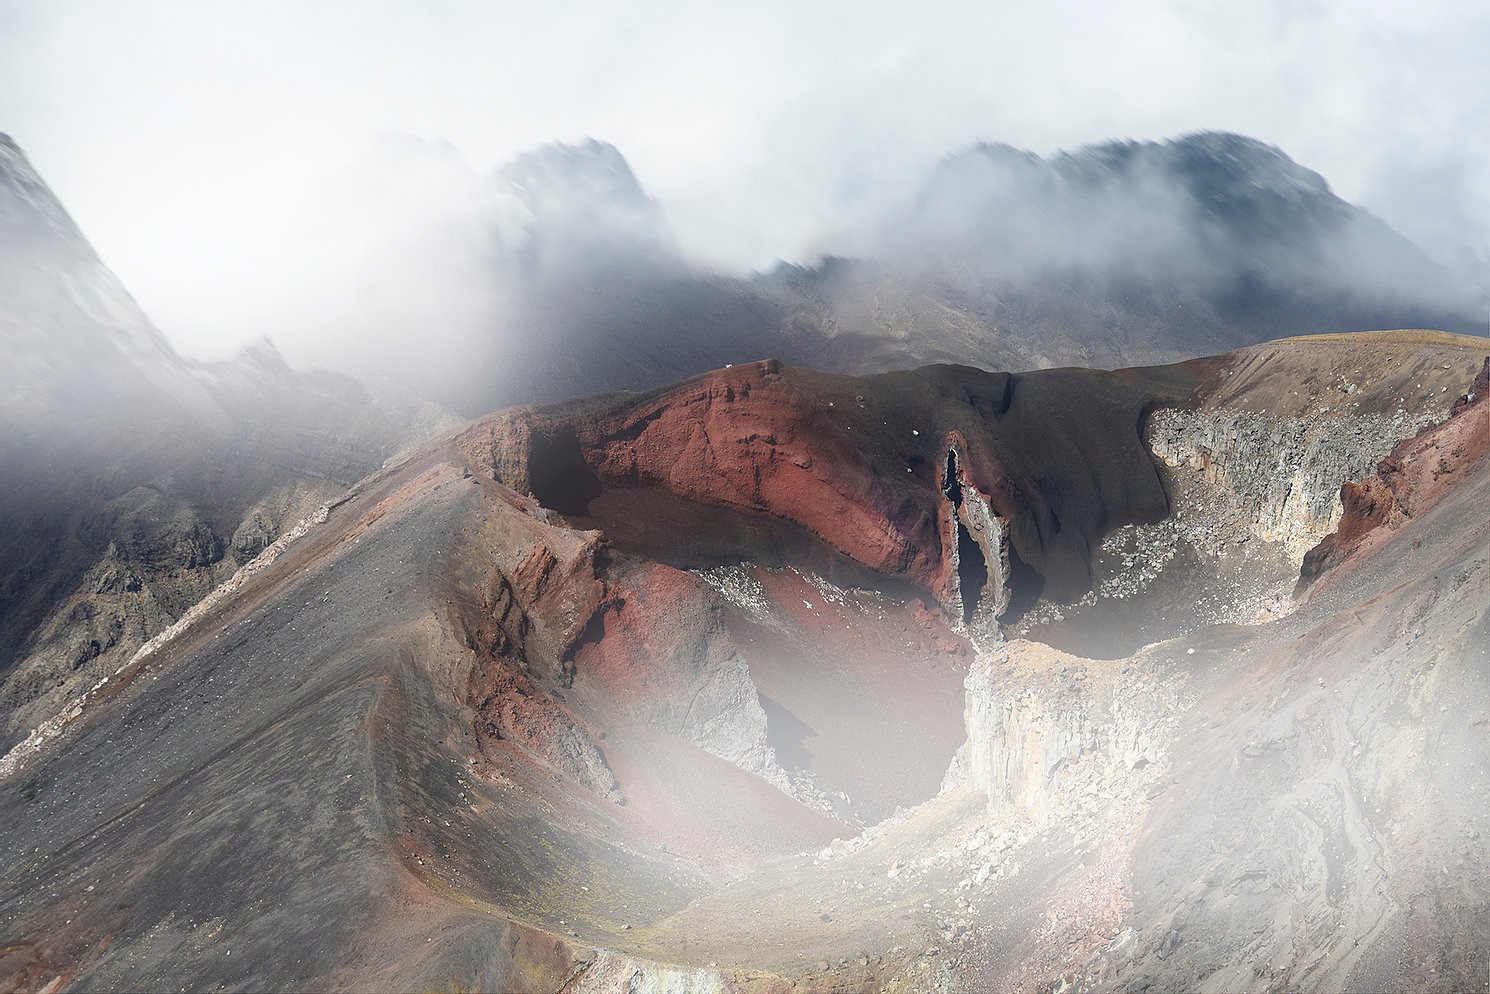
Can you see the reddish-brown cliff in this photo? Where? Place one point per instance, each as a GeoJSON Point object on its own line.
{"type": "Point", "coordinates": [758, 460]}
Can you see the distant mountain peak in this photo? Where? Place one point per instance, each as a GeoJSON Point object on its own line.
{"type": "Point", "coordinates": [561, 207]}
{"type": "Point", "coordinates": [1214, 211]}
{"type": "Point", "coordinates": [588, 166]}
{"type": "Point", "coordinates": [69, 331]}
{"type": "Point", "coordinates": [32, 219]}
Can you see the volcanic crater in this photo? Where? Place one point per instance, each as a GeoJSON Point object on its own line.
{"type": "Point", "coordinates": [942, 679]}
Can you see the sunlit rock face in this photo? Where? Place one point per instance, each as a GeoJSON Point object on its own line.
{"type": "Point", "coordinates": [1053, 737]}
{"type": "Point", "coordinates": [1253, 464]}
{"type": "Point", "coordinates": [1283, 474]}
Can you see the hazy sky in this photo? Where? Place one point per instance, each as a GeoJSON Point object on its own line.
{"type": "Point", "coordinates": [189, 139]}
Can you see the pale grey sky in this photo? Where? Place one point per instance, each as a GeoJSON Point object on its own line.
{"type": "Point", "coordinates": [191, 139]}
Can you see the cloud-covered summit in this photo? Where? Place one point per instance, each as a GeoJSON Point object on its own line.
{"type": "Point", "coordinates": [561, 207]}
{"type": "Point", "coordinates": [1219, 214]}
{"type": "Point", "coordinates": [557, 274]}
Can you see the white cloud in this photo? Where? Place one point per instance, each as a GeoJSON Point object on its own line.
{"type": "Point", "coordinates": [188, 137]}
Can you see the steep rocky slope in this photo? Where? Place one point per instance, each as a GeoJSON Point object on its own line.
{"type": "Point", "coordinates": [135, 481]}
{"type": "Point", "coordinates": [1253, 466]}
{"type": "Point", "coordinates": [483, 726]}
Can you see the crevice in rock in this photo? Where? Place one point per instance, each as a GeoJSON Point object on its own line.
{"type": "Point", "coordinates": [560, 478]}
{"type": "Point", "coordinates": [972, 572]}
{"type": "Point", "coordinates": [979, 549]}
{"type": "Point", "coordinates": [950, 485]}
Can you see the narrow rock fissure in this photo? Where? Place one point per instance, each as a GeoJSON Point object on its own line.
{"type": "Point", "coordinates": [972, 566]}
{"type": "Point", "coordinates": [950, 485]}
{"type": "Point", "coordinates": [972, 572]}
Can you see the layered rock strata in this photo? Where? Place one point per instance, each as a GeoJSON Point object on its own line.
{"type": "Point", "coordinates": [846, 475]}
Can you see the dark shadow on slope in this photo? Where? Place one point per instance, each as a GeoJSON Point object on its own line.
{"type": "Point", "coordinates": [785, 733]}
{"type": "Point", "coordinates": [1025, 587]}
{"type": "Point", "coordinates": [558, 474]}
{"type": "Point", "coordinates": [972, 572]}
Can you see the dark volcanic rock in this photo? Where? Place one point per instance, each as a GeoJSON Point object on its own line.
{"type": "Point", "coordinates": [761, 459]}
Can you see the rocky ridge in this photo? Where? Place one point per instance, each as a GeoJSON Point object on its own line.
{"type": "Point", "coordinates": [480, 676]}
{"type": "Point", "coordinates": [1252, 467]}
{"type": "Point", "coordinates": [139, 481]}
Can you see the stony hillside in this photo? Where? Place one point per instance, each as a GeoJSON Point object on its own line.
{"type": "Point", "coordinates": [136, 480]}
{"type": "Point", "coordinates": [682, 691]}
{"type": "Point", "coordinates": [1166, 677]}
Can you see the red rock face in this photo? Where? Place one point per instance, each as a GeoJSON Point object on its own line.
{"type": "Point", "coordinates": [514, 715]}
{"type": "Point", "coordinates": [745, 439]}
{"type": "Point", "coordinates": [741, 463]}
{"type": "Point", "coordinates": [657, 626]}
{"type": "Point", "coordinates": [582, 652]}
{"type": "Point", "coordinates": [595, 645]}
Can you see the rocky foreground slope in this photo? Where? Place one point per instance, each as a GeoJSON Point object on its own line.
{"type": "Point", "coordinates": [712, 688]}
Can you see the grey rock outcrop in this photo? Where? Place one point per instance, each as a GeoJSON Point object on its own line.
{"type": "Point", "coordinates": [1053, 737]}
{"type": "Point", "coordinates": [1282, 474]}
{"type": "Point", "coordinates": [138, 480]}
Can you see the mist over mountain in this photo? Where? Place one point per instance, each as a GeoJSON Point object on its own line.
{"type": "Point", "coordinates": [1207, 210]}
{"type": "Point", "coordinates": [73, 337]}
{"type": "Point", "coordinates": [135, 480]}
{"type": "Point", "coordinates": [1216, 217]}
{"type": "Point", "coordinates": [939, 679]}
{"type": "Point", "coordinates": [558, 275]}
{"type": "Point", "coordinates": [563, 211]}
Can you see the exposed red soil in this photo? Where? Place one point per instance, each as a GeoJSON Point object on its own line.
{"type": "Point", "coordinates": [657, 631]}
{"type": "Point", "coordinates": [513, 713]}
